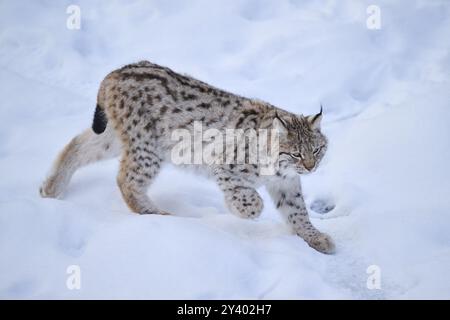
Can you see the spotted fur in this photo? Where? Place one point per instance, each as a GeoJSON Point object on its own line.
{"type": "Point", "coordinates": [139, 105]}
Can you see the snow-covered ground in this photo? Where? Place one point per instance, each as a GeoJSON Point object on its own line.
{"type": "Point", "coordinates": [387, 112]}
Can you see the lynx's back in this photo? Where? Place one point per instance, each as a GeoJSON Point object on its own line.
{"type": "Point", "coordinates": [150, 100]}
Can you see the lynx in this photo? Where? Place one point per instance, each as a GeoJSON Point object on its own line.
{"type": "Point", "coordinates": [139, 105]}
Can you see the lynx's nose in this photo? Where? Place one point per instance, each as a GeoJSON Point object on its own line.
{"type": "Point", "coordinates": [309, 165]}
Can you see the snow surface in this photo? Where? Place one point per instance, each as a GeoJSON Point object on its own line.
{"type": "Point", "coordinates": [386, 99]}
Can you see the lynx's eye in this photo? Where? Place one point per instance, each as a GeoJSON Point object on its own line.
{"type": "Point", "coordinates": [296, 155]}
{"type": "Point", "coordinates": [317, 150]}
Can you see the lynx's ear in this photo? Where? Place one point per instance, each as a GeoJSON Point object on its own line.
{"type": "Point", "coordinates": [279, 124]}
{"type": "Point", "coordinates": [314, 120]}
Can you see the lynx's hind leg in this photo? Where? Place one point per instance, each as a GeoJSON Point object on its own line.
{"type": "Point", "coordinates": [83, 149]}
{"type": "Point", "coordinates": [135, 175]}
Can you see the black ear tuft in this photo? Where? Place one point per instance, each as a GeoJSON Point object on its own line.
{"type": "Point", "coordinates": [317, 116]}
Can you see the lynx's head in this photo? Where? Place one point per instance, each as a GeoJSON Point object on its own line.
{"type": "Point", "coordinates": [301, 144]}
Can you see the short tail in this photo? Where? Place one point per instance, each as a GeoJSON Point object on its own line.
{"type": "Point", "coordinates": [100, 120]}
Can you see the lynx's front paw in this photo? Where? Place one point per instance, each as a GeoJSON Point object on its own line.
{"type": "Point", "coordinates": [322, 243]}
{"type": "Point", "coordinates": [245, 202]}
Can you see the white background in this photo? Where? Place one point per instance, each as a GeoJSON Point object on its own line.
{"type": "Point", "coordinates": [386, 102]}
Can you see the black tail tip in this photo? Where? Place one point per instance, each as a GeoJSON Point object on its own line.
{"type": "Point", "coordinates": [100, 120]}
